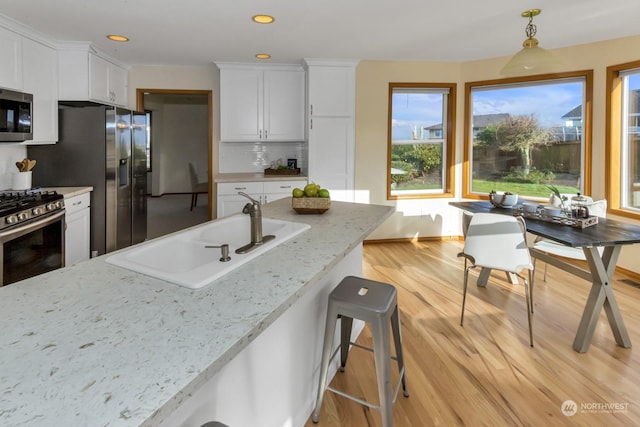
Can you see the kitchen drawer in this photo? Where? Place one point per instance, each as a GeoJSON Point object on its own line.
{"type": "Point", "coordinates": [235, 187]}
{"type": "Point", "coordinates": [76, 203]}
{"type": "Point", "coordinates": [282, 186]}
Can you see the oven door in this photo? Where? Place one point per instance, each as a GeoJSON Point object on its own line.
{"type": "Point", "coordinates": [32, 248]}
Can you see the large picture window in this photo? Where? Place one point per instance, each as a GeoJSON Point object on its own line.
{"type": "Point", "coordinates": [623, 139]}
{"type": "Point", "coordinates": [420, 134]}
{"type": "Point", "coordinates": [524, 135]}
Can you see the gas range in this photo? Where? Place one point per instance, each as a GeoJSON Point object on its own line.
{"type": "Point", "coordinates": [18, 207]}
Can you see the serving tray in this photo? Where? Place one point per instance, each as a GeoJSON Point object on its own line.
{"type": "Point", "coordinates": [564, 220]}
{"type": "Point", "coordinates": [295, 171]}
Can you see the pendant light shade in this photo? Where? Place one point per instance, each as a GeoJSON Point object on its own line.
{"type": "Point", "coordinates": [531, 58]}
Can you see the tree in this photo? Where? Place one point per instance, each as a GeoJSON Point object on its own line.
{"type": "Point", "coordinates": [519, 133]}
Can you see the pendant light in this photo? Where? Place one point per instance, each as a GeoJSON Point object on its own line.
{"type": "Point", "coordinates": [531, 59]}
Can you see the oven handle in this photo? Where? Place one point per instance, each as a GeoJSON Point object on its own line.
{"type": "Point", "coordinates": [8, 235]}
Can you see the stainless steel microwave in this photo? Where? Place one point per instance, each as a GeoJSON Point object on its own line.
{"type": "Point", "coordinates": [15, 116]}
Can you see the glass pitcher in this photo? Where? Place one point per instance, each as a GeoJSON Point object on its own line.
{"type": "Point", "coordinates": [579, 207]}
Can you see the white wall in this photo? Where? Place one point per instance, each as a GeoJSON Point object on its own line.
{"type": "Point", "coordinates": [180, 135]}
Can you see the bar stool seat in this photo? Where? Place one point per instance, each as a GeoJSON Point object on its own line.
{"type": "Point", "coordinates": [375, 303]}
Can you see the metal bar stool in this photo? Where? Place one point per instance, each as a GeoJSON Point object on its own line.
{"type": "Point", "coordinates": [375, 303]}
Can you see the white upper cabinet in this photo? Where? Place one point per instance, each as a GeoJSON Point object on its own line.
{"type": "Point", "coordinates": [84, 75]}
{"type": "Point", "coordinates": [11, 64]}
{"type": "Point", "coordinates": [30, 64]}
{"type": "Point", "coordinates": [261, 103]}
{"type": "Point", "coordinates": [331, 90]}
{"type": "Point", "coordinates": [40, 66]}
{"type": "Point", "coordinates": [107, 82]}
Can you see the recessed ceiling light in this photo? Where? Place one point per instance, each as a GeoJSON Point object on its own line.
{"type": "Point", "coordinates": [117, 38]}
{"type": "Point", "coordinates": [263, 19]}
{"type": "Point", "coordinates": [263, 56]}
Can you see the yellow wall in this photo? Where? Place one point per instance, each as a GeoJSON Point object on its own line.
{"type": "Point", "coordinates": [434, 217]}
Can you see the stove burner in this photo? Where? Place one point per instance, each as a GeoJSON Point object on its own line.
{"type": "Point", "coordinates": [17, 207]}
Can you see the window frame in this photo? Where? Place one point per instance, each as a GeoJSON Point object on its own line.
{"type": "Point", "coordinates": [586, 126]}
{"type": "Point", "coordinates": [448, 185]}
{"type": "Point", "coordinates": [613, 140]}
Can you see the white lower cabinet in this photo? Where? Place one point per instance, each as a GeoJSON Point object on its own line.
{"type": "Point", "coordinates": [230, 202]}
{"type": "Point", "coordinates": [78, 228]}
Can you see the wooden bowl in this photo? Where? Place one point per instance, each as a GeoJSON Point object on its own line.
{"type": "Point", "coordinates": [311, 205]}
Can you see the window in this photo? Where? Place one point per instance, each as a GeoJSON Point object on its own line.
{"type": "Point", "coordinates": [420, 134]}
{"type": "Point", "coordinates": [525, 134]}
{"type": "Point", "coordinates": [623, 139]}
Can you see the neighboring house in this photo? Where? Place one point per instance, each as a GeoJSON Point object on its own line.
{"type": "Point", "coordinates": [574, 117]}
{"type": "Point", "coordinates": [480, 121]}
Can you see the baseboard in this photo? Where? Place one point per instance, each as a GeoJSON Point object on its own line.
{"type": "Point", "coordinates": [174, 194]}
{"type": "Point", "coordinates": [413, 239]}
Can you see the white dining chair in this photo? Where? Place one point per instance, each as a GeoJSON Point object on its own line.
{"type": "Point", "coordinates": [196, 186]}
{"type": "Point", "coordinates": [596, 208]}
{"type": "Point", "coordinates": [498, 242]}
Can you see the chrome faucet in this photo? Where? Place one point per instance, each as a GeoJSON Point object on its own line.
{"type": "Point", "coordinates": [255, 214]}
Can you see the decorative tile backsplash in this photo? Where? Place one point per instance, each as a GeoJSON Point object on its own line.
{"type": "Point", "coordinates": [238, 157]}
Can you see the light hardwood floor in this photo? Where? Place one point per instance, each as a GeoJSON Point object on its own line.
{"type": "Point", "coordinates": [485, 373]}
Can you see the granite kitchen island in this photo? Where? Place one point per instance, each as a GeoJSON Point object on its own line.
{"type": "Point", "coordinates": [97, 345]}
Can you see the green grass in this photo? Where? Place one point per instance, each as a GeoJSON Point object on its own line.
{"type": "Point", "coordinates": [483, 186]}
{"type": "Point", "coordinates": [524, 189]}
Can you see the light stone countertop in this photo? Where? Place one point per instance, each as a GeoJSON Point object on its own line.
{"type": "Point", "coordinates": [69, 192]}
{"type": "Point", "coordinates": [248, 177]}
{"type": "Point", "coordinates": [97, 345]}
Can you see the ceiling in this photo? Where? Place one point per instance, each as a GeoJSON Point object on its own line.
{"type": "Point", "coordinates": [198, 32]}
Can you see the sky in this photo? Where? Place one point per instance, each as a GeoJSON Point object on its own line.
{"type": "Point", "coordinates": [547, 101]}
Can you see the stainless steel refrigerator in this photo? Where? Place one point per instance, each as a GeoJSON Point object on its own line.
{"type": "Point", "coordinates": [104, 147]}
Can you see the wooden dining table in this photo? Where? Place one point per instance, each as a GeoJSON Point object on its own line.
{"type": "Point", "coordinates": [610, 236]}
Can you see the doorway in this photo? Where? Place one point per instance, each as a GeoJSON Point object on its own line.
{"type": "Point", "coordinates": [180, 135]}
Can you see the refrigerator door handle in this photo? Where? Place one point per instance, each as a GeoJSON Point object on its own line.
{"type": "Point", "coordinates": [123, 172]}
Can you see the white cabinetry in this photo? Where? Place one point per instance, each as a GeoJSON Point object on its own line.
{"type": "Point", "coordinates": [11, 64]}
{"type": "Point", "coordinates": [40, 66]}
{"type": "Point", "coordinates": [30, 64]}
{"type": "Point", "coordinates": [230, 202]}
{"type": "Point", "coordinates": [261, 103]}
{"type": "Point", "coordinates": [77, 234]}
{"type": "Point", "coordinates": [86, 75]}
{"type": "Point", "coordinates": [331, 100]}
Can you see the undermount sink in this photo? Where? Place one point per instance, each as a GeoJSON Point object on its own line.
{"type": "Point", "coordinates": [181, 258]}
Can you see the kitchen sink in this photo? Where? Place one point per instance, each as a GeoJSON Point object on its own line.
{"type": "Point", "coordinates": [182, 258]}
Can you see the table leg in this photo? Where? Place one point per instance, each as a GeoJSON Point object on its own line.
{"type": "Point", "coordinates": [601, 294]}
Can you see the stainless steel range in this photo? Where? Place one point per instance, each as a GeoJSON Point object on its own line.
{"type": "Point", "coordinates": [31, 234]}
